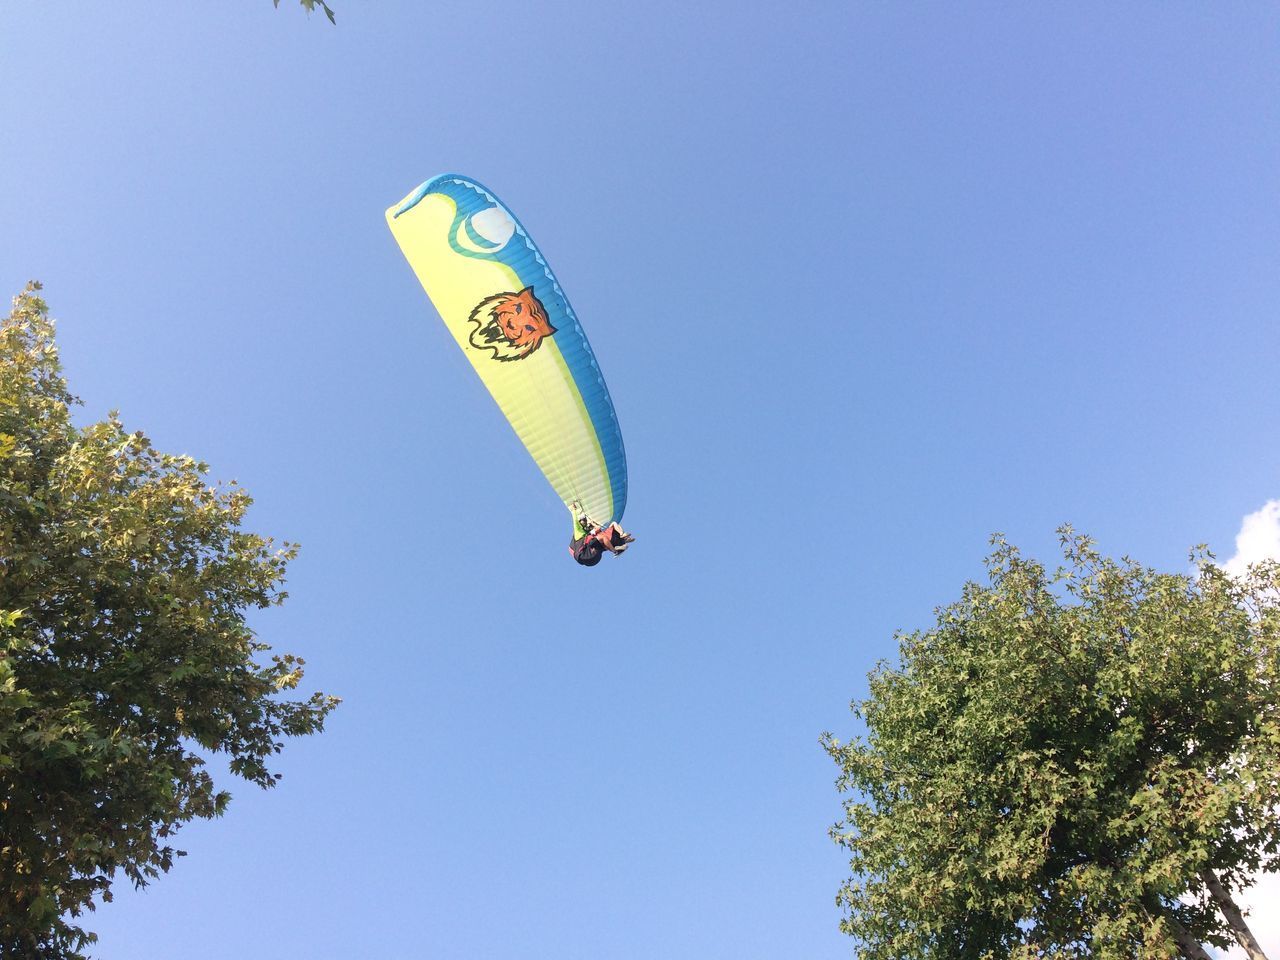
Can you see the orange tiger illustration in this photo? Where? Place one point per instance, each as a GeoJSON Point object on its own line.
{"type": "Point", "coordinates": [510, 325]}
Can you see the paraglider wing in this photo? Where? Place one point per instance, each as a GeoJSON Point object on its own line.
{"type": "Point", "coordinates": [500, 300]}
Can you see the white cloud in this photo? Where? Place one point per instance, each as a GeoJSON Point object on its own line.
{"type": "Point", "coordinates": [1259, 539]}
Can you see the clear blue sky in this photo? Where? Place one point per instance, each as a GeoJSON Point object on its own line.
{"type": "Point", "coordinates": [867, 281]}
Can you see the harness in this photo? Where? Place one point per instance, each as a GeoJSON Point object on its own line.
{"type": "Point", "coordinates": [579, 545]}
{"type": "Point", "coordinates": [578, 548]}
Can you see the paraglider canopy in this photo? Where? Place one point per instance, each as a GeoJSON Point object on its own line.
{"type": "Point", "coordinates": [503, 306]}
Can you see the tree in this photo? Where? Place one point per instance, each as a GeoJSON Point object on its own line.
{"type": "Point", "coordinates": [311, 5]}
{"type": "Point", "coordinates": [1084, 763]}
{"type": "Point", "coordinates": [124, 651]}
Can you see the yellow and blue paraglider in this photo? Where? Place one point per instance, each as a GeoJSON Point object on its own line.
{"type": "Point", "coordinates": [500, 300]}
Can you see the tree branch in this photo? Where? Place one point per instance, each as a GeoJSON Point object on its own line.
{"type": "Point", "coordinates": [1191, 948]}
{"type": "Point", "coordinates": [1235, 919]}
{"type": "Point", "coordinates": [1188, 945]}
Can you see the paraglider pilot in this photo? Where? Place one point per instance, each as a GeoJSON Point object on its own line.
{"type": "Point", "coordinates": [593, 539]}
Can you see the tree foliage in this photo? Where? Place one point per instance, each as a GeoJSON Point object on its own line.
{"type": "Point", "coordinates": [1079, 763]}
{"type": "Point", "coordinates": [124, 652]}
{"type": "Point", "coordinates": [311, 5]}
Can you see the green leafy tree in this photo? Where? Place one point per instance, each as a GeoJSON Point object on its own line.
{"type": "Point", "coordinates": [311, 5]}
{"type": "Point", "coordinates": [1082, 763]}
{"type": "Point", "coordinates": [124, 652]}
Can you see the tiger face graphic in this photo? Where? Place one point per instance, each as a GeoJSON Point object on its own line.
{"type": "Point", "coordinates": [510, 325]}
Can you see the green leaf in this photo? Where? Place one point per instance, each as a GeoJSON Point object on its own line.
{"type": "Point", "coordinates": [124, 643]}
{"type": "Point", "coordinates": [1059, 758]}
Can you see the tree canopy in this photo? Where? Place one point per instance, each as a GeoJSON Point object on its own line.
{"type": "Point", "coordinates": [1070, 764]}
{"type": "Point", "coordinates": [125, 655]}
{"type": "Point", "coordinates": [311, 5]}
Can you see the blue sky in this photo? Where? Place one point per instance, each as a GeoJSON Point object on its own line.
{"type": "Point", "coordinates": [868, 282]}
